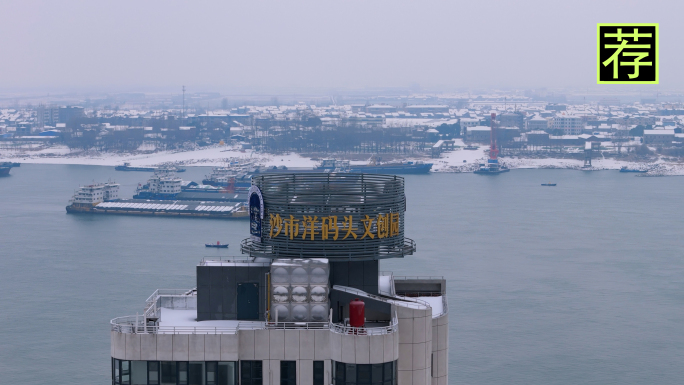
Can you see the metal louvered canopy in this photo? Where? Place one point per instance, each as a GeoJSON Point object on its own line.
{"type": "Point", "coordinates": [327, 215]}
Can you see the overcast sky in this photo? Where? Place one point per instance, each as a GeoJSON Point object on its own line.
{"type": "Point", "coordinates": [271, 46]}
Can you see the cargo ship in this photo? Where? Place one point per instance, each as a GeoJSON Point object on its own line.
{"type": "Point", "coordinates": [226, 177]}
{"type": "Point", "coordinates": [102, 198]}
{"type": "Point", "coordinates": [146, 207]}
{"type": "Point", "coordinates": [87, 197]}
{"type": "Point", "coordinates": [5, 168]}
{"type": "Point", "coordinates": [164, 185]}
{"type": "Point", "coordinates": [127, 167]}
{"type": "Point", "coordinates": [397, 168]}
{"type": "Point", "coordinates": [394, 168]}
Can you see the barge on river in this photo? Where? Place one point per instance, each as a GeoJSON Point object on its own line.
{"type": "Point", "coordinates": [127, 167]}
{"type": "Point", "coordinates": [103, 199]}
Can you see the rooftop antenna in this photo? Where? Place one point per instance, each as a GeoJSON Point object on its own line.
{"type": "Point", "coordinates": [183, 113]}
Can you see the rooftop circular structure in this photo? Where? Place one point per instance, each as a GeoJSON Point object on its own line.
{"type": "Point", "coordinates": [327, 215]}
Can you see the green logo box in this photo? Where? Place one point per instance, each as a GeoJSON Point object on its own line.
{"type": "Point", "coordinates": [627, 53]}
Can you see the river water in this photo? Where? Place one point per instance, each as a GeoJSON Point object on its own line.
{"type": "Point", "coordinates": [582, 283]}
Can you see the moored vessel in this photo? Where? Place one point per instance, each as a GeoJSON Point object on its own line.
{"type": "Point", "coordinates": [146, 207]}
{"type": "Point", "coordinates": [375, 167]}
{"type": "Point", "coordinates": [5, 167]}
{"type": "Point", "coordinates": [4, 170]}
{"type": "Point", "coordinates": [165, 185]}
{"type": "Point", "coordinates": [127, 167]}
{"type": "Point", "coordinates": [226, 177]}
{"type": "Point", "coordinates": [87, 197]}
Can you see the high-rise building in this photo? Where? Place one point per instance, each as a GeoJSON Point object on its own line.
{"type": "Point", "coordinates": [307, 303]}
{"type": "Point", "coordinates": [569, 124]}
{"type": "Point", "coordinates": [68, 113]}
{"type": "Point", "coordinates": [47, 116]}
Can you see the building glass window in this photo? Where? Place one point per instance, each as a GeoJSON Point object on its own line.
{"type": "Point", "coordinates": [152, 372]}
{"type": "Point", "coordinates": [182, 373]}
{"type": "Point", "coordinates": [376, 374]}
{"type": "Point", "coordinates": [125, 372]}
{"type": "Point", "coordinates": [196, 373]}
{"type": "Point", "coordinates": [227, 373]}
{"type": "Point", "coordinates": [115, 372]}
{"type": "Point", "coordinates": [169, 374]}
{"type": "Point", "coordinates": [338, 373]}
{"type": "Point", "coordinates": [288, 372]}
{"type": "Point", "coordinates": [138, 372]}
{"type": "Point", "coordinates": [318, 373]}
{"type": "Point", "coordinates": [211, 368]}
{"type": "Point", "coordinates": [350, 374]}
{"type": "Point", "coordinates": [365, 374]}
{"type": "Point", "coordinates": [250, 373]}
{"type": "Point", "coordinates": [389, 373]}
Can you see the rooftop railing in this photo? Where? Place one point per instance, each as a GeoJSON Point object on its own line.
{"type": "Point", "coordinates": [414, 277]}
{"type": "Point", "coordinates": [187, 299]}
{"type": "Point", "coordinates": [135, 324]}
{"type": "Point", "coordinates": [393, 327]}
{"type": "Point", "coordinates": [297, 325]}
{"type": "Point", "coordinates": [391, 282]}
{"type": "Point", "coordinates": [227, 261]}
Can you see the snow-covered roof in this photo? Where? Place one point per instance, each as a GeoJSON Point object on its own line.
{"type": "Point", "coordinates": [659, 132]}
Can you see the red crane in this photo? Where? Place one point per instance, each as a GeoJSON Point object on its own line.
{"type": "Point", "coordinates": [493, 150]}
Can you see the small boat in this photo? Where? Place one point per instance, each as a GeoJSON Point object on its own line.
{"type": "Point", "coordinates": [548, 184]}
{"type": "Point", "coordinates": [218, 245]}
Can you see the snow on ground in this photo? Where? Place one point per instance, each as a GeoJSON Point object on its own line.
{"type": "Point", "coordinates": [459, 160]}
{"type": "Point", "coordinates": [209, 156]}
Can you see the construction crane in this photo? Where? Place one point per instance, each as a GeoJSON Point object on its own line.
{"type": "Point", "coordinates": [493, 150]}
{"type": "Point", "coordinates": [492, 166]}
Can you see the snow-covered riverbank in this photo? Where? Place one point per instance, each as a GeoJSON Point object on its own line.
{"type": "Point", "coordinates": [459, 160]}
{"type": "Point", "coordinates": [210, 156]}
